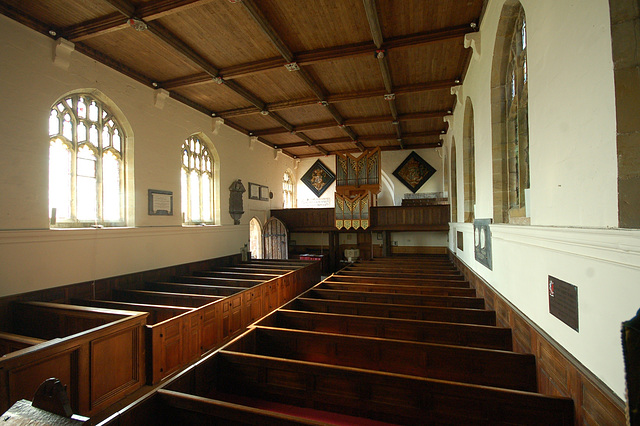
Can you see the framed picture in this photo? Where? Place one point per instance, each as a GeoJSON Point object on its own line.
{"type": "Point", "coordinates": [258, 192]}
{"type": "Point", "coordinates": [414, 172]}
{"type": "Point", "coordinates": [160, 203]}
{"type": "Point", "coordinates": [318, 178]}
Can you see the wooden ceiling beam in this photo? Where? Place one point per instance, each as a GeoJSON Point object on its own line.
{"type": "Point", "coordinates": [340, 97]}
{"type": "Point", "coordinates": [366, 138]}
{"type": "Point", "coordinates": [382, 148]}
{"type": "Point", "coordinates": [338, 52]}
{"type": "Point", "coordinates": [265, 26]}
{"type": "Point", "coordinates": [123, 6]}
{"type": "Point", "coordinates": [355, 121]}
{"type": "Point", "coordinates": [148, 11]}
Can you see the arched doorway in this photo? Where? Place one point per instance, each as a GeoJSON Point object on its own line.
{"type": "Point", "coordinates": [275, 240]}
{"type": "Point", "coordinates": [255, 238]}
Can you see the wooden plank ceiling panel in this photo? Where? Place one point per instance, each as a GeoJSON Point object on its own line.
{"type": "Point", "coordinates": [354, 74]}
{"type": "Point", "coordinates": [308, 25]}
{"type": "Point", "coordinates": [190, 45]}
{"type": "Point", "coordinates": [414, 16]}
{"type": "Point", "coordinates": [282, 139]}
{"type": "Point", "coordinates": [277, 85]}
{"type": "Point", "coordinates": [308, 114]}
{"type": "Point", "coordinates": [214, 96]}
{"type": "Point", "coordinates": [255, 122]}
{"type": "Point", "coordinates": [239, 40]}
{"type": "Point", "coordinates": [424, 125]}
{"type": "Point", "coordinates": [385, 128]}
{"type": "Point", "coordinates": [142, 52]}
{"type": "Point", "coordinates": [327, 133]}
{"type": "Point", "coordinates": [62, 13]}
{"type": "Point", "coordinates": [441, 100]}
{"type": "Point", "coordinates": [364, 107]}
{"type": "Point", "coordinates": [429, 62]}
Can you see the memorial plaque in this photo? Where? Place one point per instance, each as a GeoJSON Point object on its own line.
{"type": "Point", "coordinates": [563, 302]}
{"type": "Point", "coordinates": [460, 238]}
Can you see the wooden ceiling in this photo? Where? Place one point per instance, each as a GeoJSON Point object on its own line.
{"type": "Point", "coordinates": [310, 77]}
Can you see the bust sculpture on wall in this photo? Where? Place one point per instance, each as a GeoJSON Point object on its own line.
{"type": "Point", "coordinates": [236, 209]}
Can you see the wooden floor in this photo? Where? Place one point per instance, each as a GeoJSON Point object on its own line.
{"type": "Point", "coordinates": [388, 341]}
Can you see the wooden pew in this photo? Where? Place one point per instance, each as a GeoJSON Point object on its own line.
{"type": "Point", "coordinates": [399, 274]}
{"type": "Point", "coordinates": [193, 288]}
{"type": "Point", "coordinates": [228, 282]}
{"type": "Point", "coordinates": [10, 342]}
{"type": "Point", "coordinates": [170, 408]}
{"type": "Point", "coordinates": [237, 274]}
{"type": "Point", "coordinates": [163, 298]}
{"type": "Point", "coordinates": [157, 313]}
{"type": "Point", "coordinates": [486, 367]}
{"type": "Point", "coordinates": [400, 289]}
{"type": "Point", "coordinates": [382, 396]}
{"type": "Point", "coordinates": [364, 266]}
{"type": "Point", "coordinates": [97, 353]}
{"type": "Point", "coordinates": [255, 269]}
{"type": "Point", "coordinates": [480, 336]}
{"type": "Point", "coordinates": [397, 299]}
{"type": "Point", "coordinates": [397, 281]}
{"type": "Point", "coordinates": [424, 313]}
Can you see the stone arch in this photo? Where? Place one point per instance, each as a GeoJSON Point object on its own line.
{"type": "Point", "coordinates": [454, 183]}
{"type": "Point", "coordinates": [469, 160]}
{"type": "Point", "coordinates": [509, 117]}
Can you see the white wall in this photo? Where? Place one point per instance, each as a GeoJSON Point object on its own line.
{"type": "Point", "coordinates": [573, 182]}
{"type": "Point", "coordinates": [390, 160]}
{"type": "Point", "coordinates": [34, 257]}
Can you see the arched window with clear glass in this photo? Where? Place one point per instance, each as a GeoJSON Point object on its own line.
{"type": "Point", "coordinates": [86, 164]}
{"type": "Point", "coordinates": [287, 190]}
{"type": "Point", "coordinates": [197, 182]}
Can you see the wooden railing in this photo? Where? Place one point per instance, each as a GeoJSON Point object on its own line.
{"type": "Point", "coordinates": [398, 218]}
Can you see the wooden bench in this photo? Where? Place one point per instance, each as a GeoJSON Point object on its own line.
{"type": "Point", "coordinates": [163, 298]}
{"type": "Point", "coordinates": [228, 282]}
{"type": "Point", "coordinates": [424, 313]}
{"type": "Point", "coordinates": [397, 299]}
{"type": "Point", "coordinates": [381, 396]}
{"type": "Point", "coordinates": [193, 288]}
{"type": "Point", "coordinates": [256, 269]}
{"type": "Point", "coordinates": [97, 353]}
{"type": "Point", "coordinates": [486, 367]}
{"type": "Point", "coordinates": [404, 268]}
{"type": "Point", "coordinates": [237, 274]}
{"type": "Point", "coordinates": [157, 313]}
{"type": "Point", "coordinates": [399, 274]}
{"type": "Point", "coordinates": [10, 342]}
{"type": "Point", "coordinates": [399, 289]}
{"type": "Point", "coordinates": [480, 336]}
{"type": "Point", "coordinates": [397, 281]}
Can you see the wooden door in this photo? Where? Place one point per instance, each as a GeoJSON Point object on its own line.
{"type": "Point", "coordinates": [275, 240]}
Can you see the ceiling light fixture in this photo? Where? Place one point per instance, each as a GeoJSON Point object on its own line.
{"type": "Point", "coordinates": [137, 24]}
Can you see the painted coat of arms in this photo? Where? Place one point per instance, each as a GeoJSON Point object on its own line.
{"type": "Point", "coordinates": [318, 178]}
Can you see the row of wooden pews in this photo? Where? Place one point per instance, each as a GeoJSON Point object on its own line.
{"type": "Point", "coordinates": [194, 313]}
{"type": "Point", "coordinates": [388, 341]}
{"type": "Point", "coordinates": [104, 345]}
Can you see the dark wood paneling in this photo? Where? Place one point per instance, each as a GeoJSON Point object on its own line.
{"type": "Point", "coordinates": [398, 218]}
{"type": "Point", "coordinates": [559, 373]}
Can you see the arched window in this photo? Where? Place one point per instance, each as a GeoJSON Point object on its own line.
{"type": "Point", "coordinates": [469, 161]}
{"type": "Point", "coordinates": [86, 164]}
{"type": "Point", "coordinates": [454, 183]}
{"type": "Point", "coordinates": [255, 238]}
{"type": "Point", "coordinates": [287, 190]}
{"type": "Point", "coordinates": [511, 143]}
{"type": "Point", "coordinates": [197, 182]}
